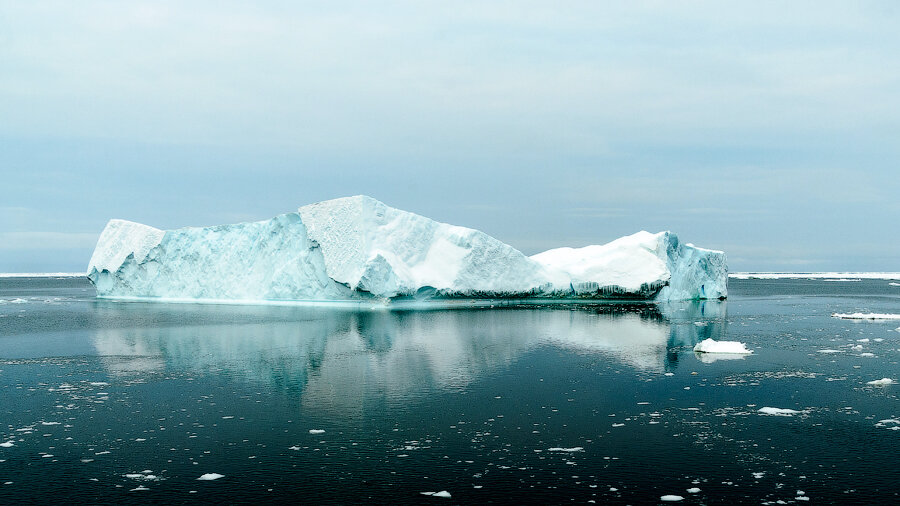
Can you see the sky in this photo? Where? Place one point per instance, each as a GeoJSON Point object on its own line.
{"type": "Point", "coordinates": [768, 130]}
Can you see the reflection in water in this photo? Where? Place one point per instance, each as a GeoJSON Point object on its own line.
{"type": "Point", "coordinates": [338, 357]}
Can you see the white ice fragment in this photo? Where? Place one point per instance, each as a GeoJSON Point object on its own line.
{"type": "Point", "coordinates": [883, 382]}
{"type": "Point", "coordinates": [558, 449]}
{"type": "Point", "coordinates": [862, 340]}
{"type": "Point", "coordinates": [7, 444]}
{"type": "Point", "coordinates": [316, 431]}
{"type": "Point", "coordinates": [729, 347]}
{"type": "Point", "coordinates": [210, 476]}
{"type": "Point", "coordinates": [442, 493]}
{"type": "Point", "coordinates": [671, 498]}
{"type": "Point", "coordinates": [829, 351]}
{"type": "Point", "coordinates": [866, 316]}
{"type": "Point", "coordinates": [867, 355]}
{"type": "Point", "coordinates": [778, 411]}
{"type": "Point", "coordinates": [693, 490]}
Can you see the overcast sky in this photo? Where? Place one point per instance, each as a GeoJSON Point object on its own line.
{"type": "Point", "coordinates": [768, 130]}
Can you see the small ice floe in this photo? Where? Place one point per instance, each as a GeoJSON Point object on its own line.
{"type": "Point", "coordinates": [829, 351]}
{"type": "Point", "coordinates": [316, 431]}
{"type": "Point", "coordinates": [778, 411]}
{"type": "Point", "coordinates": [49, 423]}
{"type": "Point", "coordinates": [866, 316]}
{"type": "Point", "coordinates": [7, 444]}
{"type": "Point", "coordinates": [442, 493]}
{"type": "Point", "coordinates": [569, 450]}
{"type": "Point", "coordinates": [726, 347]}
{"type": "Point", "coordinates": [671, 498]}
{"type": "Point", "coordinates": [883, 382]}
{"type": "Point", "coordinates": [867, 354]}
{"type": "Point", "coordinates": [139, 488]}
{"type": "Point", "coordinates": [693, 490]}
{"type": "Point", "coordinates": [210, 476]}
{"type": "Point", "coordinates": [889, 423]}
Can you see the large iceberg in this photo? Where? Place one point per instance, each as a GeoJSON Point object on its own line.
{"type": "Point", "coordinates": [359, 249]}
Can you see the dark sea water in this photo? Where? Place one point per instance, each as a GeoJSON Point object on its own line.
{"type": "Point", "coordinates": [118, 402]}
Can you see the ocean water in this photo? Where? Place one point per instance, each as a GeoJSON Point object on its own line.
{"type": "Point", "coordinates": [105, 401]}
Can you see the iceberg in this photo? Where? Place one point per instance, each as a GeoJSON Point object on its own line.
{"type": "Point", "coordinates": [359, 249]}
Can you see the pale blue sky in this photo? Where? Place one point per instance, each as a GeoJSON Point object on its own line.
{"type": "Point", "coordinates": [764, 129]}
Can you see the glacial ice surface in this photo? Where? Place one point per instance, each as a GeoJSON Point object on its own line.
{"type": "Point", "coordinates": [359, 249]}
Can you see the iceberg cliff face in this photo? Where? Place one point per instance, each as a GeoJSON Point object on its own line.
{"type": "Point", "coordinates": [357, 248]}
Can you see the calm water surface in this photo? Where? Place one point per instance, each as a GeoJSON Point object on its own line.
{"type": "Point", "coordinates": [132, 402]}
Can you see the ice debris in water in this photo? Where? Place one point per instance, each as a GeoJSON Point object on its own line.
{"type": "Point", "coordinates": [211, 476]}
{"type": "Point", "coordinates": [442, 493]}
{"type": "Point", "coordinates": [316, 431]}
{"type": "Point", "coordinates": [8, 444]}
{"type": "Point", "coordinates": [778, 411]}
{"type": "Point", "coordinates": [713, 346]}
{"type": "Point", "coordinates": [558, 449]}
{"type": "Point", "coordinates": [866, 316]}
{"type": "Point", "coordinates": [671, 498]}
{"type": "Point", "coordinates": [693, 490]}
{"type": "Point", "coordinates": [881, 383]}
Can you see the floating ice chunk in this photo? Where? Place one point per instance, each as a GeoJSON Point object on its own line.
{"type": "Point", "coordinates": [829, 351]}
{"type": "Point", "coordinates": [8, 444]}
{"type": "Point", "coordinates": [693, 490]}
{"type": "Point", "coordinates": [729, 347]}
{"type": "Point", "coordinates": [211, 476]}
{"type": "Point", "coordinates": [866, 316]}
{"type": "Point", "coordinates": [573, 449]}
{"type": "Point", "coordinates": [442, 493]}
{"type": "Point", "coordinates": [316, 431]}
{"type": "Point", "coordinates": [139, 488]}
{"type": "Point", "coordinates": [779, 411]}
{"type": "Point", "coordinates": [867, 355]}
{"type": "Point", "coordinates": [883, 382]}
{"type": "Point", "coordinates": [671, 498]}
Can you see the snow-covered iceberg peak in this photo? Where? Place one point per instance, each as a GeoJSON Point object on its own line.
{"type": "Point", "coordinates": [357, 248]}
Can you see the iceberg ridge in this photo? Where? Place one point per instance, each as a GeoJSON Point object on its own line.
{"type": "Point", "coordinates": [357, 248]}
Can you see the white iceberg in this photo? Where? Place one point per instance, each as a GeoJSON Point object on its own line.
{"type": "Point", "coordinates": [724, 347]}
{"type": "Point", "coordinates": [359, 249]}
{"type": "Point", "coordinates": [883, 382]}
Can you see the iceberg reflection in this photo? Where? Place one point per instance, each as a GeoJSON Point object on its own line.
{"type": "Point", "coordinates": [338, 357]}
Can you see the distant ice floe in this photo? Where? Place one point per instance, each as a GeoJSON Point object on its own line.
{"type": "Point", "coordinates": [815, 275]}
{"type": "Point", "coordinates": [671, 498]}
{"type": "Point", "coordinates": [890, 424]}
{"type": "Point", "coordinates": [42, 275]}
{"type": "Point", "coordinates": [866, 316]}
{"type": "Point", "coordinates": [316, 431]}
{"type": "Point", "coordinates": [210, 476]}
{"type": "Point", "coordinates": [779, 411]}
{"type": "Point", "coordinates": [724, 347]}
{"type": "Point", "coordinates": [883, 382]}
{"type": "Point", "coordinates": [573, 449]}
{"type": "Point", "coordinates": [7, 444]}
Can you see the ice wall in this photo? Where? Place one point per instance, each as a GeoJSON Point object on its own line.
{"type": "Point", "coordinates": [357, 248]}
